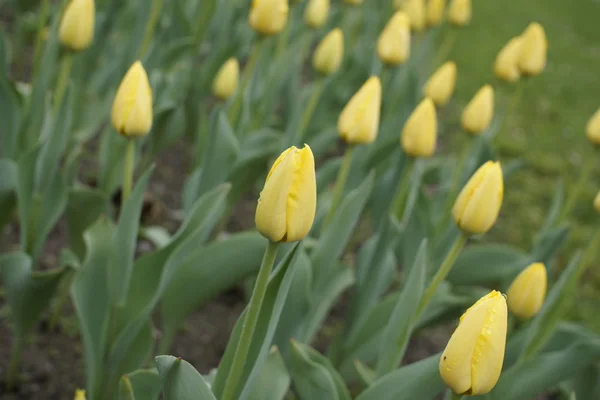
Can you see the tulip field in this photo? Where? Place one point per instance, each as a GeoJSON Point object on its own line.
{"type": "Point", "coordinates": [299, 200]}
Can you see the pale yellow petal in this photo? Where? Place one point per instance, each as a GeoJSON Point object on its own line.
{"type": "Point", "coordinates": [478, 114]}
{"type": "Point", "coordinates": [527, 292]}
{"type": "Point", "coordinates": [419, 135]}
{"type": "Point", "coordinates": [441, 84]}
{"type": "Point", "coordinates": [483, 207]}
{"type": "Point", "coordinates": [268, 17]}
{"type": "Point", "coordinates": [302, 200]}
{"type": "Point", "coordinates": [359, 121]}
{"type": "Point", "coordinates": [76, 30]}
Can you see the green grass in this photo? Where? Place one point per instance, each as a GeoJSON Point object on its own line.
{"type": "Point", "coordinates": [548, 129]}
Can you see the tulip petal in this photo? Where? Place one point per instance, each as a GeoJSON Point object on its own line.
{"type": "Point", "coordinates": [482, 210]}
{"type": "Point", "coordinates": [302, 199]}
{"type": "Point", "coordinates": [527, 292]}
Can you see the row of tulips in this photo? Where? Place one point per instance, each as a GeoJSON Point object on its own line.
{"type": "Point", "coordinates": [511, 346]}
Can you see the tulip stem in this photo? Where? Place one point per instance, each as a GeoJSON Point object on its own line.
{"type": "Point", "coordinates": [446, 46]}
{"type": "Point", "coordinates": [338, 190]}
{"type": "Point", "coordinates": [128, 170]}
{"type": "Point", "coordinates": [399, 203]}
{"type": "Point", "coordinates": [441, 274]}
{"type": "Point", "coordinates": [150, 27]}
{"type": "Point", "coordinates": [513, 105]}
{"type": "Point", "coordinates": [63, 79]}
{"type": "Point", "coordinates": [309, 111]}
{"type": "Point", "coordinates": [249, 323]}
{"type": "Point", "coordinates": [456, 396]}
{"type": "Point", "coordinates": [44, 8]}
{"type": "Point", "coordinates": [12, 373]}
{"type": "Point", "coordinates": [236, 105]}
{"type": "Point", "coordinates": [574, 194]}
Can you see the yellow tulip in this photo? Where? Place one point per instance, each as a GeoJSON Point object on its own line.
{"type": "Point", "coordinates": [527, 292]}
{"type": "Point", "coordinates": [415, 9]}
{"type": "Point", "coordinates": [315, 14]}
{"type": "Point", "coordinates": [597, 203]}
{"type": "Point", "coordinates": [268, 17]}
{"type": "Point", "coordinates": [506, 66]}
{"type": "Point", "coordinates": [226, 81]}
{"type": "Point", "coordinates": [77, 25]}
{"type": "Point", "coordinates": [80, 395]}
{"type": "Point", "coordinates": [478, 114]}
{"type": "Point", "coordinates": [132, 107]}
{"type": "Point", "coordinates": [473, 358]}
{"type": "Point", "coordinates": [534, 48]}
{"type": "Point", "coordinates": [435, 12]}
{"type": "Point", "coordinates": [419, 135]}
{"type": "Point", "coordinates": [287, 204]}
{"type": "Point", "coordinates": [440, 85]}
{"type": "Point", "coordinates": [459, 12]}
{"type": "Point", "coordinates": [478, 204]}
{"type": "Point", "coordinates": [329, 53]}
{"type": "Point", "coordinates": [359, 121]}
{"type": "Point", "coordinates": [393, 45]}
{"type": "Point", "coordinates": [592, 130]}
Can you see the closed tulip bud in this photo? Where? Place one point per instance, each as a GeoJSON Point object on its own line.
{"type": "Point", "coordinates": [459, 12]}
{"type": "Point", "coordinates": [534, 48]}
{"type": "Point", "coordinates": [315, 14]}
{"type": "Point", "coordinates": [440, 85]}
{"type": "Point", "coordinates": [132, 107]}
{"type": "Point", "coordinates": [359, 121]}
{"type": "Point", "coordinates": [225, 82]}
{"type": "Point", "coordinates": [415, 9]}
{"type": "Point", "coordinates": [478, 204]}
{"type": "Point", "coordinates": [592, 130]}
{"type": "Point", "coordinates": [77, 25]}
{"type": "Point", "coordinates": [597, 203]}
{"type": "Point", "coordinates": [268, 17]}
{"type": "Point", "coordinates": [80, 395]}
{"type": "Point", "coordinates": [527, 292]}
{"type": "Point", "coordinates": [287, 204]}
{"type": "Point", "coordinates": [393, 45]}
{"type": "Point", "coordinates": [473, 358]}
{"type": "Point", "coordinates": [478, 114]}
{"type": "Point", "coordinates": [435, 12]}
{"type": "Point", "coordinates": [506, 66]}
{"type": "Point", "coordinates": [420, 131]}
{"type": "Point", "coordinates": [329, 53]}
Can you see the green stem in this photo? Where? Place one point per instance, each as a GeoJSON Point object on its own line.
{"type": "Point", "coordinates": [150, 27]}
{"type": "Point", "coordinates": [441, 274]}
{"type": "Point", "coordinates": [455, 396]}
{"type": "Point", "coordinates": [311, 106]}
{"type": "Point", "coordinates": [12, 373]}
{"type": "Point", "coordinates": [128, 169]}
{"type": "Point", "coordinates": [63, 79]}
{"type": "Point", "coordinates": [249, 324]}
{"type": "Point", "coordinates": [574, 193]}
{"type": "Point", "coordinates": [515, 101]}
{"type": "Point", "coordinates": [446, 46]}
{"type": "Point", "coordinates": [399, 202]}
{"type": "Point", "coordinates": [236, 105]}
{"type": "Point", "coordinates": [61, 300]}
{"type": "Point", "coordinates": [338, 190]}
{"type": "Point", "coordinates": [39, 39]}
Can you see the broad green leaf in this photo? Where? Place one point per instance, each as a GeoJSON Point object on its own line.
{"type": "Point", "coordinates": [274, 380]}
{"type": "Point", "coordinates": [314, 376]}
{"type": "Point", "coordinates": [420, 380]}
{"type": "Point", "coordinates": [268, 319]}
{"type": "Point", "coordinates": [144, 384]}
{"type": "Point", "coordinates": [365, 373]}
{"type": "Point", "coordinates": [181, 381]}
{"type": "Point", "coordinates": [25, 194]}
{"type": "Point", "coordinates": [53, 203]}
{"type": "Point", "coordinates": [84, 206]}
{"type": "Point", "coordinates": [124, 242]}
{"type": "Point", "coordinates": [586, 384]}
{"type": "Point", "coordinates": [402, 320]}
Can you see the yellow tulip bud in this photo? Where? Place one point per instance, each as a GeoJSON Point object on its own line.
{"type": "Point", "coordinates": [478, 204]}
{"type": "Point", "coordinates": [534, 48]}
{"type": "Point", "coordinates": [77, 25]}
{"type": "Point", "coordinates": [597, 203]}
{"type": "Point", "coordinates": [440, 85]}
{"type": "Point", "coordinates": [459, 12]}
{"type": "Point", "coordinates": [79, 395]}
{"type": "Point", "coordinates": [473, 358]}
{"type": "Point", "coordinates": [268, 17]}
{"type": "Point", "coordinates": [315, 14]}
{"type": "Point", "coordinates": [287, 204]}
{"type": "Point", "coordinates": [592, 130]}
{"type": "Point", "coordinates": [329, 53]}
{"type": "Point", "coordinates": [435, 12]}
{"type": "Point", "coordinates": [132, 107]}
{"type": "Point", "coordinates": [359, 121]}
{"type": "Point", "coordinates": [527, 292]}
{"type": "Point", "coordinates": [415, 9]}
{"type": "Point", "coordinates": [478, 114]}
{"type": "Point", "coordinates": [393, 45]}
{"type": "Point", "coordinates": [506, 66]}
{"type": "Point", "coordinates": [226, 81]}
{"type": "Point", "coordinates": [420, 131]}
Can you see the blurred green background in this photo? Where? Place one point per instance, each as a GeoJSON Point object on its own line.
{"type": "Point", "coordinates": [548, 129]}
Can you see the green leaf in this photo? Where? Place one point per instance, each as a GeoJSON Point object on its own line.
{"type": "Point", "coordinates": [420, 380]}
{"type": "Point", "coordinates": [181, 381]}
{"type": "Point", "coordinates": [143, 384]}
{"type": "Point", "coordinates": [548, 244]}
{"type": "Point", "coordinates": [124, 242]}
{"type": "Point", "coordinates": [11, 116]}
{"type": "Point", "coordinates": [366, 374]}
{"type": "Point", "coordinates": [25, 193]}
{"type": "Point", "coordinates": [8, 188]}
{"type": "Point", "coordinates": [111, 155]}
{"type": "Point", "coordinates": [555, 207]}
{"type": "Point", "coordinates": [84, 206]}
{"type": "Point", "coordinates": [314, 376]}
{"type": "Point", "coordinates": [274, 380]}
{"type": "Point", "coordinates": [268, 319]}
{"type": "Point", "coordinates": [402, 320]}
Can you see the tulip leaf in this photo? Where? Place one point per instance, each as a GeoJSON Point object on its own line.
{"type": "Point", "coordinates": [268, 319]}
{"type": "Point", "coordinates": [418, 380]}
{"type": "Point", "coordinates": [8, 186]}
{"type": "Point", "coordinates": [84, 206]}
{"type": "Point", "coordinates": [314, 376]}
{"type": "Point", "coordinates": [402, 320]}
{"type": "Point", "coordinates": [327, 173]}
{"type": "Point", "coordinates": [124, 242]}
{"type": "Point", "coordinates": [273, 382]}
{"type": "Point", "coordinates": [555, 208]}
{"type": "Point", "coordinates": [366, 374]}
{"type": "Point", "coordinates": [11, 114]}
{"type": "Point", "coordinates": [141, 384]}
{"type": "Point", "coordinates": [111, 155]}
{"type": "Point", "coordinates": [548, 244]}
{"type": "Point", "coordinates": [181, 381]}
